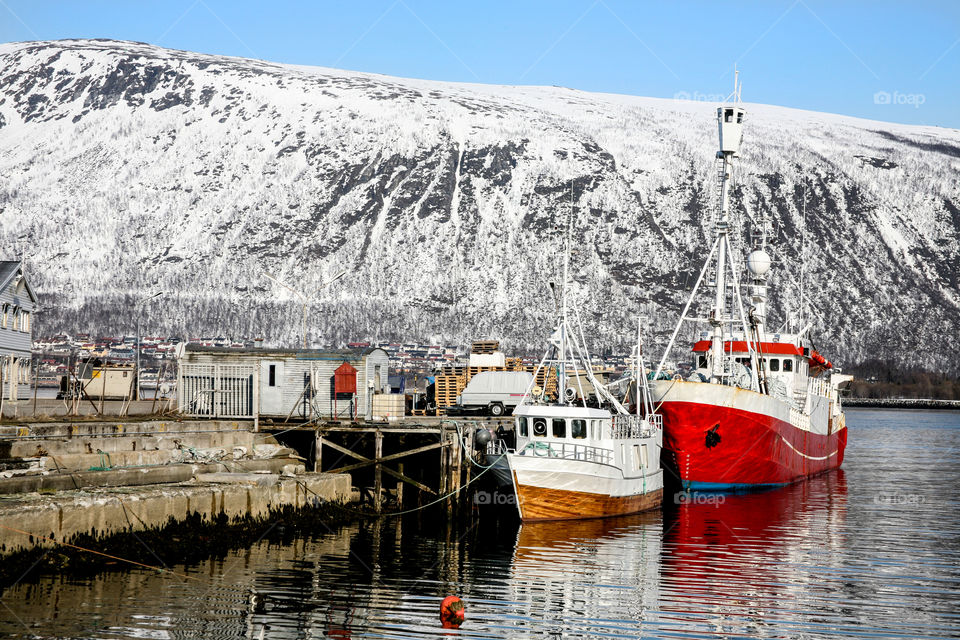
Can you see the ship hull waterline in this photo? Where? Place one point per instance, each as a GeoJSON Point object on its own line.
{"type": "Point", "coordinates": [741, 440]}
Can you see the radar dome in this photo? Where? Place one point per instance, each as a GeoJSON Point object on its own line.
{"type": "Point", "coordinates": [758, 262]}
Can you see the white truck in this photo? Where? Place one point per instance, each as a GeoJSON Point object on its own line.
{"type": "Point", "coordinates": [495, 392]}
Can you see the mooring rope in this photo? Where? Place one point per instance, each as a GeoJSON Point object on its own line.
{"type": "Point", "coordinates": [401, 513]}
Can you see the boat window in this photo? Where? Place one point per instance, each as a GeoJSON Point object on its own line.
{"type": "Point", "coordinates": [522, 426]}
{"type": "Point", "coordinates": [701, 362]}
{"type": "Point", "coordinates": [728, 115]}
{"type": "Point", "coordinates": [578, 429]}
{"type": "Point", "coordinates": [559, 428]}
{"type": "Point", "coordinates": [774, 364]}
{"type": "Point", "coordinates": [787, 364]}
{"type": "Point", "coordinates": [540, 427]}
{"type": "Point", "coordinates": [272, 376]}
{"type": "Point", "coordinates": [739, 117]}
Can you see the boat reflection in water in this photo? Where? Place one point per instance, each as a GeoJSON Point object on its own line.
{"type": "Point", "coordinates": [589, 577]}
{"type": "Point", "coordinates": [739, 563]}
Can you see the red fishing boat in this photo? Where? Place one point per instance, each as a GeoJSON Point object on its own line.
{"type": "Point", "coordinates": [757, 408]}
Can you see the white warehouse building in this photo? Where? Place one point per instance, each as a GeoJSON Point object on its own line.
{"type": "Point", "coordinates": [297, 383]}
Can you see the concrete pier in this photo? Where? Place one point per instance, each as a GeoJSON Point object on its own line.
{"type": "Point", "coordinates": [61, 479]}
{"type": "Point", "coordinates": [51, 519]}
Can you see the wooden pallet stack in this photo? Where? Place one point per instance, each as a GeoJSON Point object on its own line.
{"type": "Point", "coordinates": [453, 370]}
{"type": "Point", "coordinates": [485, 346]}
{"type": "Point", "coordinates": [546, 379]}
{"type": "Point", "coordinates": [447, 388]}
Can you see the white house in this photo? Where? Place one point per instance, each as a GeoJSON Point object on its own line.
{"type": "Point", "coordinates": [18, 303]}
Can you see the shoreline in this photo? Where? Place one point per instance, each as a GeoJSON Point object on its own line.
{"type": "Point", "coordinates": [901, 403]}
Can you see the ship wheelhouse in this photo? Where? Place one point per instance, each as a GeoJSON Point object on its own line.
{"type": "Point", "coordinates": [588, 434]}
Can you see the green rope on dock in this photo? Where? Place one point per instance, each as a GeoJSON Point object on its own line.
{"type": "Point", "coordinates": [103, 467]}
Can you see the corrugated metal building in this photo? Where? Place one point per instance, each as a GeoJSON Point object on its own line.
{"type": "Point", "coordinates": [226, 381]}
{"type": "Point", "coordinates": [17, 306]}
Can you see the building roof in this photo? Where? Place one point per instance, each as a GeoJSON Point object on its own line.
{"type": "Point", "coordinates": [8, 271]}
{"type": "Point", "coordinates": [299, 354]}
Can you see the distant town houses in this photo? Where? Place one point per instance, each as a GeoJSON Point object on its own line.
{"type": "Point", "coordinates": [403, 357]}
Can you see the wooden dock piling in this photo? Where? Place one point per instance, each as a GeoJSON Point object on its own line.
{"type": "Point", "coordinates": [378, 471]}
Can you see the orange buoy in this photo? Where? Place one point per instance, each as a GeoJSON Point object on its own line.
{"type": "Point", "coordinates": [452, 612]}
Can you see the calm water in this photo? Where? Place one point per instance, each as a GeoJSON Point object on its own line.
{"type": "Point", "coordinates": [870, 551]}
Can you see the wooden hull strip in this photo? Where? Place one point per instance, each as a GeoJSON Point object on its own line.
{"type": "Point", "coordinates": [539, 503]}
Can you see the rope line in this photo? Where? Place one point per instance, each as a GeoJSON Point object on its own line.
{"type": "Point", "coordinates": [119, 559]}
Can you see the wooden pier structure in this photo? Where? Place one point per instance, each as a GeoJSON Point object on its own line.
{"type": "Point", "coordinates": [431, 458]}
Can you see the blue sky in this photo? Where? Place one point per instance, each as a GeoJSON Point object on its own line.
{"type": "Point", "coordinates": [886, 60]}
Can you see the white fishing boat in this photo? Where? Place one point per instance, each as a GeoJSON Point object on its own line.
{"type": "Point", "coordinates": [580, 453]}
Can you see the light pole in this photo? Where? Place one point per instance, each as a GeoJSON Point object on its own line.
{"type": "Point", "coordinates": [137, 308]}
{"type": "Point", "coordinates": [304, 298]}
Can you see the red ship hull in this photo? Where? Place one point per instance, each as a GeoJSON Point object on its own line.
{"type": "Point", "coordinates": [723, 438]}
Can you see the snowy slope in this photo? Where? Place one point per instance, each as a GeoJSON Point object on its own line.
{"type": "Point", "coordinates": [129, 168]}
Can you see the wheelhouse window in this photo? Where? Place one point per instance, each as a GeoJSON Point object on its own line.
{"type": "Point", "coordinates": [787, 364]}
{"type": "Point", "coordinates": [774, 364]}
{"type": "Point", "coordinates": [559, 428]}
{"type": "Point", "coordinates": [578, 429]}
{"type": "Point", "coordinates": [540, 427]}
{"type": "Point", "coordinates": [272, 376]}
{"type": "Point", "coordinates": [701, 362]}
{"type": "Point", "coordinates": [522, 427]}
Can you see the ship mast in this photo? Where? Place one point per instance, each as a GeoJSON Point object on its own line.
{"type": "Point", "coordinates": [562, 374]}
{"type": "Point", "coordinates": [730, 128]}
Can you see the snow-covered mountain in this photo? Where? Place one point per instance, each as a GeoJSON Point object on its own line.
{"type": "Point", "coordinates": [126, 168]}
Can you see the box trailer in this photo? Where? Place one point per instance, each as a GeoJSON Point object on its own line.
{"type": "Point", "coordinates": [495, 392]}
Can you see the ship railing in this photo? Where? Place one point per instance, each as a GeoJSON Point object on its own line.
{"type": "Point", "coordinates": [496, 447]}
{"type": "Point", "coordinates": [819, 388]}
{"type": "Point", "coordinates": [799, 419]}
{"type": "Point", "coordinates": [569, 451]}
{"type": "Point", "coordinates": [631, 426]}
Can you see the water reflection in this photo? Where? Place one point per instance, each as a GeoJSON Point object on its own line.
{"type": "Point", "coordinates": [830, 556]}
{"type": "Point", "coordinates": [745, 563]}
